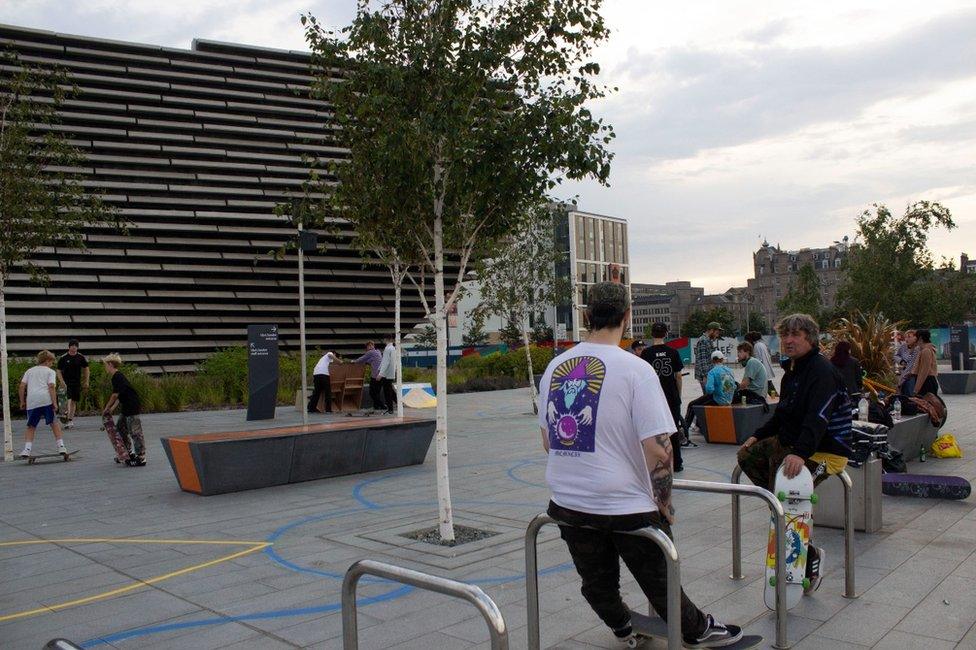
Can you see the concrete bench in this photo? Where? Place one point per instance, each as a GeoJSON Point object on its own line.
{"type": "Point", "coordinates": [731, 424]}
{"type": "Point", "coordinates": [867, 502]}
{"type": "Point", "coordinates": [909, 434]}
{"type": "Point", "coordinates": [216, 463]}
{"type": "Point", "coordinates": [957, 382]}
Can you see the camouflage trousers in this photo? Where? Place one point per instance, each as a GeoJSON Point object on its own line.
{"type": "Point", "coordinates": [130, 428]}
{"type": "Point", "coordinates": [761, 461]}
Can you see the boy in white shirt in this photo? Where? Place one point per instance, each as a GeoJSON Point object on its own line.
{"type": "Point", "coordinates": [38, 394]}
{"type": "Point", "coordinates": [606, 426]}
{"type": "Point", "coordinates": [322, 383]}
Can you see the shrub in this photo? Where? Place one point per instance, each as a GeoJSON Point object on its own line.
{"type": "Point", "coordinates": [226, 371]}
{"type": "Point", "coordinates": [176, 390]}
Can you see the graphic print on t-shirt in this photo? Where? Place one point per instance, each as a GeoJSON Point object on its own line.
{"type": "Point", "coordinates": [574, 395]}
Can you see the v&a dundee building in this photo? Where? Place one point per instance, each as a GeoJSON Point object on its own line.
{"type": "Point", "coordinates": [195, 148]}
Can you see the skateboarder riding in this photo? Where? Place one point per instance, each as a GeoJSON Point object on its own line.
{"type": "Point", "coordinates": [811, 424]}
{"type": "Point", "coordinates": [606, 426]}
{"type": "Point", "coordinates": [38, 394]}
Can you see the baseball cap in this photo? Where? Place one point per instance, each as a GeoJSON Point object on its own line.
{"type": "Point", "coordinates": [717, 354]}
{"type": "Point", "coordinates": [715, 325]}
{"type": "Point", "coordinates": [638, 343]}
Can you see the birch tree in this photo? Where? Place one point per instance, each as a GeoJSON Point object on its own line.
{"type": "Point", "coordinates": [472, 110]}
{"type": "Point", "coordinates": [519, 280]}
{"type": "Point", "coordinates": [43, 205]}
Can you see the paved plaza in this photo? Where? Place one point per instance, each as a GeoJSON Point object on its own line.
{"type": "Point", "coordinates": [262, 569]}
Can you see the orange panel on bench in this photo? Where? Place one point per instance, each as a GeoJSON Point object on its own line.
{"type": "Point", "coordinates": [720, 423]}
{"type": "Point", "coordinates": [186, 471]}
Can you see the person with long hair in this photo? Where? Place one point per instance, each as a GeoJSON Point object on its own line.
{"type": "Point", "coordinates": [850, 368]}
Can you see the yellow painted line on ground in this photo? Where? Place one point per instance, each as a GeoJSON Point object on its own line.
{"type": "Point", "coordinates": [138, 584]}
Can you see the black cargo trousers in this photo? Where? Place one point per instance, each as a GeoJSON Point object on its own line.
{"type": "Point", "coordinates": [597, 551]}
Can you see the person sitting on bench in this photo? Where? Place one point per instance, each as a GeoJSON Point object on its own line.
{"type": "Point", "coordinates": [606, 426]}
{"type": "Point", "coordinates": [753, 384]}
{"type": "Point", "coordinates": [719, 390]}
{"type": "Point", "coordinates": [810, 426]}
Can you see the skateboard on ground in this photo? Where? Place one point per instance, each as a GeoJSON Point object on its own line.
{"type": "Point", "coordinates": [121, 452]}
{"type": "Point", "coordinates": [647, 627]}
{"type": "Point", "coordinates": [797, 496]}
{"type": "Point", "coordinates": [64, 457]}
{"type": "Point", "coordinates": [926, 486]}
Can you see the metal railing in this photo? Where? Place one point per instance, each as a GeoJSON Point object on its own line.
{"type": "Point", "coordinates": [849, 588]}
{"type": "Point", "coordinates": [776, 510]}
{"type": "Point", "coordinates": [474, 595]}
{"type": "Point", "coordinates": [532, 578]}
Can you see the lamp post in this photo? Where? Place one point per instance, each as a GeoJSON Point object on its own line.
{"type": "Point", "coordinates": [305, 240]}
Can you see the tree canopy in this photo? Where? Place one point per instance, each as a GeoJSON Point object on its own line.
{"type": "Point", "coordinates": [699, 319]}
{"type": "Point", "coordinates": [803, 295]}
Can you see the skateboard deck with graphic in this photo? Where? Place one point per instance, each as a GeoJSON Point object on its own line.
{"type": "Point", "coordinates": [649, 627]}
{"type": "Point", "coordinates": [121, 452]}
{"type": "Point", "coordinates": [63, 405]}
{"type": "Point", "coordinates": [797, 496]}
{"type": "Point", "coordinates": [64, 457]}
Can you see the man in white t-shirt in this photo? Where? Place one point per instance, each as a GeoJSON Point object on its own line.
{"type": "Point", "coordinates": [606, 426]}
{"type": "Point", "coordinates": [388, 373]}
{"type": "Point", "coordinates": [38, 394]}
{"type": "Point", "coordinates": [321, 383]}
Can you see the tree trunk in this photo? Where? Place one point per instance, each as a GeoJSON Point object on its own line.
{"type": "Point", "coordinates": [8, 441]}
{"type": "Point", "coordinates": [445, 511]}
{"type": "Point", "coordinates": [398, 281]}
{"type": "Point", "coordinates": [528, 359]}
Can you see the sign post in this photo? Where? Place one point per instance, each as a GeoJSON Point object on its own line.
{"type": "Point", "coordinates": [959, 347]}
{"type": "Point", "coordinates": [262, 371]}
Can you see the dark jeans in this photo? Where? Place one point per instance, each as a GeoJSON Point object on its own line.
{"type": "Point", "coordinates": [389, 393]}
{"type": "Point", "coordinates": [704, 400]}
{"type": "Point", "coordinates": [677, 436]}
{"type": "Point", "coordinates": [321, 384]}
{"type": "Point", "coordinates": [376, 393]}
{"type": "Point", "coordinates": [597, 554]}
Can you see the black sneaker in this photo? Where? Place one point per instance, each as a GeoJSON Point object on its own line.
{"type": "Point", "coordinates": [716, 635]}
{"type": "Point", "coordinates": [815, 560]}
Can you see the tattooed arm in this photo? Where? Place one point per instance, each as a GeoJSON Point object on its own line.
{"type": "Point", "coordinates": [658, 456]}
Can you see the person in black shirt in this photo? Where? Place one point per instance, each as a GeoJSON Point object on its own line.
{"type": "Point", "coordinates": [668, 365]}
{"type": "Point", "coordinates": [129, 425]}
{"type": "Point", "coordinates": [73, 373]}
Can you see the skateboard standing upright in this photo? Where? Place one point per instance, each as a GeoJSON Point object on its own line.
{"type": "Point", "coordinates": [63, 405]}
{"type": "Point", "coordinates": [797, 496]}
{"type": "Point", "coordinates": [121, 450]}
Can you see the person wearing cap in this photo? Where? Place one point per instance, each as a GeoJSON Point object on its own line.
{"type": "Point", "coordinates": [638, 346]}
{"type": "Point", "coordinates": [606, 427]}
{"type": "Point", "coordinates": [707, 343]}
{"type": "Point", "coordinates": [668, 365]}
{"type": "Point", "coordinates": [719, 389]}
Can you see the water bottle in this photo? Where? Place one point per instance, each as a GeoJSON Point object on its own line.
{"type": "Point", "coordinates": [896, 409]}
{"type": "Point", "coordinates": [921, 454]}
{"type": "Point", "coordinates": [862, 409]}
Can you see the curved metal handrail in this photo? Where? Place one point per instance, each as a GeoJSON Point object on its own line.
{"type": "Point", "coordinates": [776, 510]}
{"type": "Point", "coordinates": [845, 478]}
{"type": "Point", "coordinates": [532, 578]}
{"type": "Point", "coordinates": [61, 644]}
{"type": "Point", "coordinates": [474, 595]}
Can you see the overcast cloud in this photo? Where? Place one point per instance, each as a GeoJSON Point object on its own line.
{"type": "Point", "coordinates": [735, 120]}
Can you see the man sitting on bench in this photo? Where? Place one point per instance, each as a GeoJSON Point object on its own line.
{"type": "Point", "coordinates": [606, 426]}
{"type": "Point", "coordinates": [810, 426]}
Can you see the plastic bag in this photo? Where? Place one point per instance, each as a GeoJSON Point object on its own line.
{"type": "Point", "coordinates": [945, 446]}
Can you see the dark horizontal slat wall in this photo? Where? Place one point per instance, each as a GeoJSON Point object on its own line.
{"type": "Point", "coordinates": [195, 147]}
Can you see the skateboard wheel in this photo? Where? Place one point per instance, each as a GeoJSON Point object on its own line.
{"type": "Point", "coordinates": [806, 583]}
{"type": "Point", "coordinates": [814, 497]}
{"type": "Point", "coordinates": [772, 581]}
{"type": "Point", "coordinates": [781, 495]}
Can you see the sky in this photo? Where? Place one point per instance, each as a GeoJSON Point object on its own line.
{"type": "Point", "coordinates": [736, 121]}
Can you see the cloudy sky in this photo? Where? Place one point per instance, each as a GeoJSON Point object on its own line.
{"type": "Point", "coordinates": [736, 120]}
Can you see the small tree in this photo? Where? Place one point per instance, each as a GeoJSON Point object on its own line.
{"type": "Point", "coordinates": [541, 332]}
{"type": "Point", "coordinates": [803, 295]}
{"type": "Point", "coordinates": [42, 203]}
{"type": "Point", "coordinates": [475, 334]}
{"type": "Point", "coordinates": [472, 110]}
{"type": "Point", "coordinates": [426, 337]}
{"type": "Point", "coordinates": [757, 323]}
{"type": "Point", "coordinates": [519, 279]}
{"type": "Point", "coordinates": [889, 258]}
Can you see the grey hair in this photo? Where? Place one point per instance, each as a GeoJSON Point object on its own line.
{"type": "Point", "coordinates": [799, 323]}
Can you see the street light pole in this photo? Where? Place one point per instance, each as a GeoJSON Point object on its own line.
{"type": "Point", "coordinates": [301, 323]}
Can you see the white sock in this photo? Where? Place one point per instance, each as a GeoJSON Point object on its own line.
{"type": "Point", "coordinates": [60, 443]}
{"type": "Point", "coordinates": [28, 446]}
